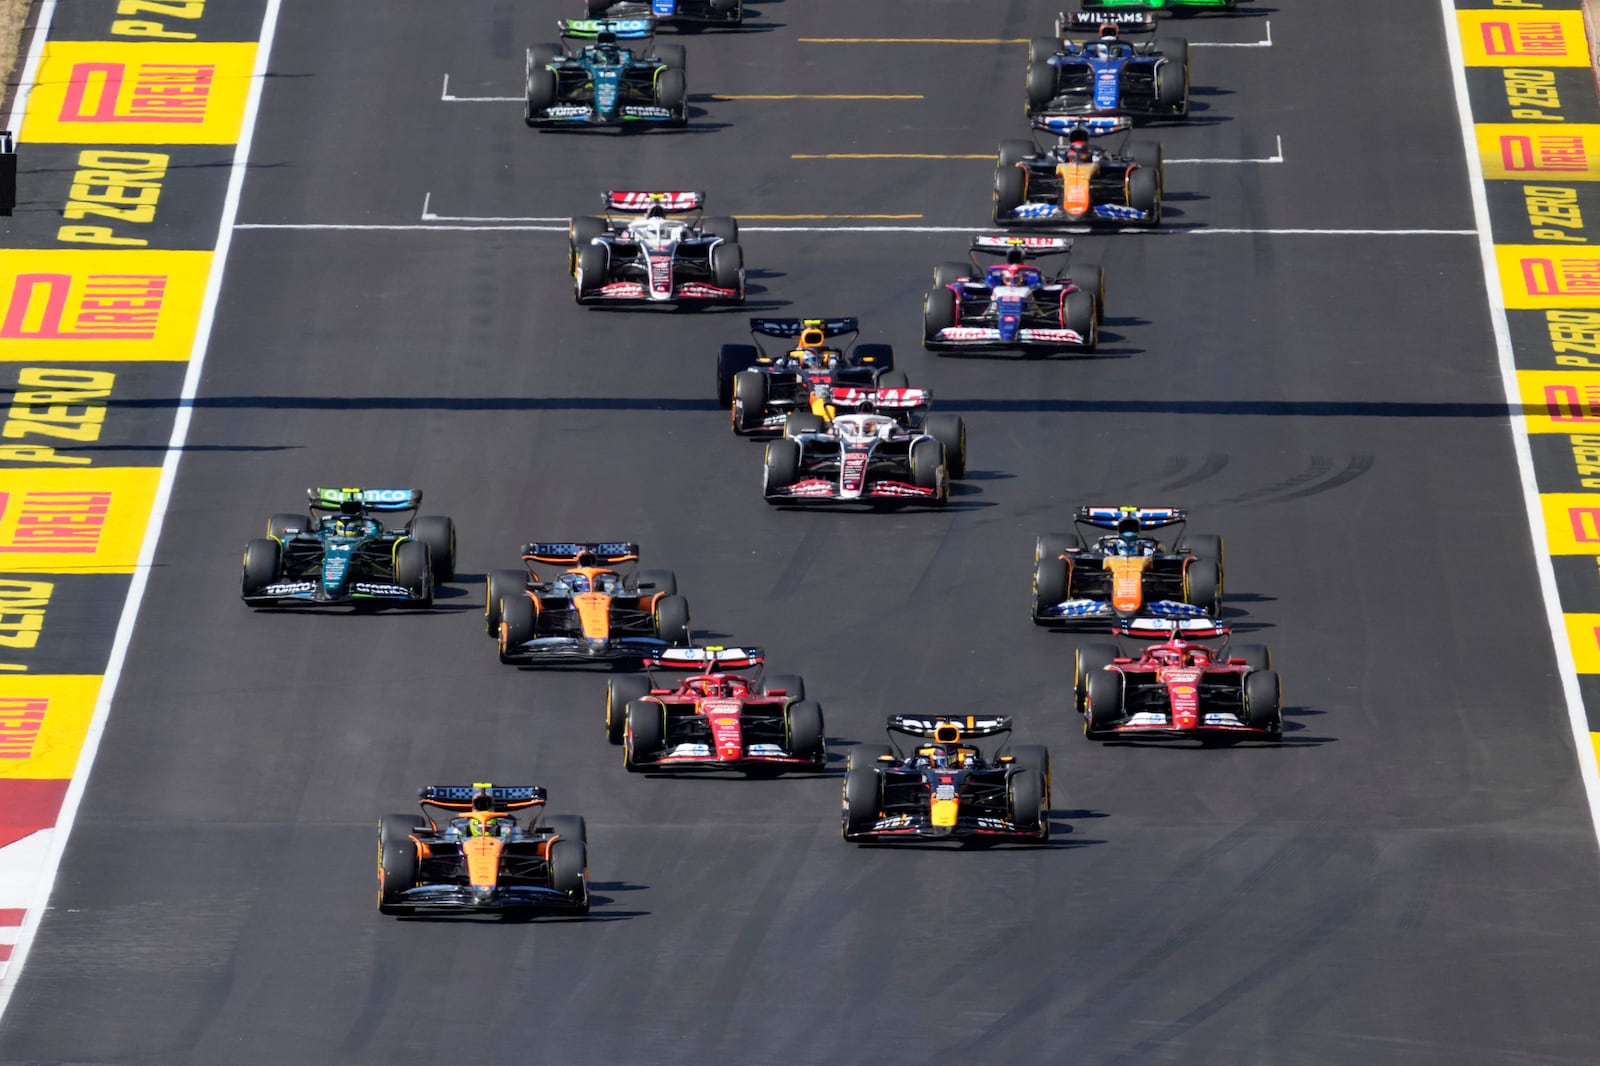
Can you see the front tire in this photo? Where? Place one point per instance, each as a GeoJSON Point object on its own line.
{"type": "Point", "coordinates": [397, 860]}
{"type": "Point", "coordinates": [621, 690]}
{"type": "Point", "coordinates": [263, 561]}
{"type": "Point", "coordinates": [781, 468]}
{"type": "Point", "coordinates": [1050, 577]}
{"type": "Point", "coordinates": [731, 359]}
{"type": "Point", "coordinates": [1028, 808]}
{"type": "Point", "coordinates": [438, 532]}
{"type": "Point", "coordinates": [1263, 701]}
{"type": "Point", "coordinates": [950, 431]}
{"type": "Point", "coordinates": [1104, 708]}
{"type": "Point", "coordinates": [518, 623]}
{"type": "Point", "coordinates": [413, 568]}
{"type": "Point", "coordinates": [645, 734]}
{"type": "Point", "coordinates": [863, 798]}
{"type": "Point", "coordinates": [499, 585]}
{"type": "Point", "coordinates": [569, 872]}
{"type": "Point", "coordinates": [806, 734]}
{"type": "Point", "coordinates": [749, 400]}
{"type": "Point", "coordinates": [672, 620]}
{"type": "Point", "coordinates": [1010, 188]}
{"type": "Point", "coordinates": [593, 271]}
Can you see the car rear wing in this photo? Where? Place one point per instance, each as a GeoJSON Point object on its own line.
{"type": "Point", "coordinates": [565, 553]}
{"type": "Point", "coordinates": [1171, 620]}
{"type": "Point", "coordinates": [882, 399]}
{"type": "Point", "coordinates": [1031, 247]}
{"type": "Point", "coordinates": [951, 730]}
{"type": "Point", "coordinates": [1137, 21]}
{"type": "Point", "coordinates": [460, 797]}
{"type": "Point", "coordinates": [675, 203]}
{"type": "Point", "coordinates": [710, 658]}
{"type": "Point", "coordinates": [789, 328]}
{"type": "Point", "coordinates": [621, 29]}
{"type": "Point", "coordinates": [1148, 517]}
{"type": "Point", "coordinates": [373, 499]}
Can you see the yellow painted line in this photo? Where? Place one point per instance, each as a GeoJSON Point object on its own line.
{"type": "Point", "coordinates": [888, 155]}
{"type": "Point", "coordinates": [1595, 739]}
{"type": "Point", "coordinates": [1523, 38]}
{"type": "Point", "coordinates": [813, 96]}
{"type": "Point", "coordinates": [43, 720]}
{"type": "Point", "coordinates": [913, 40]}
{"type": "Point", "coordinates": [798, 218]}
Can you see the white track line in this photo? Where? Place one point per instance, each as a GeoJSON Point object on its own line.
{"type": "Point", "coordinates": [444, 95]}
{"type": "Point", "coordinates": [1205, 232]}
{"type": "Point", "coordinates": [1270, 159]}
{"type": "Point", "coordinates": [429, 216]}
{"type": "Point", "coordinates": [1266, 42]}
{"type": "Point", "coordinates": [1519, 426]}
{"type": "Point", "coordinates": [169, 471]}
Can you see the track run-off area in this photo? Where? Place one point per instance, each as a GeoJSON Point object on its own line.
{"type": "Point", "coordinates": [361, 257]}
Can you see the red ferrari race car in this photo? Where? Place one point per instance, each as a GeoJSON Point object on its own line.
{"type": "Point", "coordinates": [715, 719]}
{"type": "Point", "coordinates": [1178, 689]}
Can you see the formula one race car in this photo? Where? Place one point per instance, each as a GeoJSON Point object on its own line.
{"type": "Point", "coordinates": [716, 719]}
{"type": "Point", "coordinates": [1178, 688]}
{"type": "Point", "coordinates": [909, 407]}
{"type": "Point", "coordinates": [1104, 84]}
{"type": "Point", "coordinates": [946, 787]}
{"type": "Point", "coordinates": [340, 553]}
{"type": "Point", "coordinates": [1134, 12]}
{"type": "Point", "coordinates": [605, 84]}
{"type": "Point", "coordinates": [589, 613]}
{"type": "Point", "coordinates": [1076, 183]}
{"type": "Point", "coordinates": [762, 389]}
{"type": "Point", "coordinates": [1123, 572]}
{"type": "Point", "coordinates": [480, 860]}
{"type": "Point", "coordinates": [655, 259]}
{"type": "Point", "coordinates": [680, 13]}
{"type": "Point", "coordinates": [867, 458]}
{"type": "Point", "coordinates": [974, 307]}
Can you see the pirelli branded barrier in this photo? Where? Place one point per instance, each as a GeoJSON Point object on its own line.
{"type": "Point", "coordinates": [128, 132]}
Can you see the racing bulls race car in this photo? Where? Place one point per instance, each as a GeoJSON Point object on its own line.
{"type": "Point", "coordinates": [909, 407]}
{"type": "Point", "coordinates": [974, 307]}
{"type": "Point", "coordinates": [1123, 572]}
{"type": "Point", "coordinates": [865, 458]}
{"type": "Point", "coordinates": [1074, 182]}
{"type": "Point", "coordinates": [339, 552]}
{"type": "Point", "coordinates": [946, 787]}
{"type": "Point", "coordinates": [762, 389]}
{"type": "Point", "coordinates": [656, 258]}
{"type": "Point", "coordinates": [1178, 688]}
{"type": "Point", "coordinates": [604, 83]}
{"type": "Point", "coordinates": [480, 859]}
{"type": "Point", "coordinates": [715, 719]}
{"type": "Point", "coordinates": [588, 613]}
{"type": "Point", "coordinates": [694, 13]}
{"type": "Point", "coordinates": [1105, 83]}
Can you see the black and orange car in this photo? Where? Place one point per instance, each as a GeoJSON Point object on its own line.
{"type": "Point", "coordinates": [479, 858]}
{"type": "Point", "coordinates": [1125, 571]}
{"type": "Point", "coordinates": [589, 612]}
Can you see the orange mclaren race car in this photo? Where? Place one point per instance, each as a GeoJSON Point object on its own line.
{"type": "Point", "coordinates": [480, 858]}
{"type": "Point", "coordinates": [715, 719]}
{"type": "Point", "coordinates": [1123, 571]}
{"type": "Point", "coordinates": [587, 613]}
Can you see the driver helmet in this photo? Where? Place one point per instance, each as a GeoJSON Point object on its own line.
{"type": "Point", "coordinates": [1182, 654]}
{"type": "Point", "coordinates": [1109, 33]}
{"type": "Point", "coordinates": [714, 687]}
{"type": "Point", "coordinates": [1078, 150]}
{"type": "Point", "coordinates": [1127, 542]}
{"type": "Point", "coordinates": [656, 210]}
{"type": "Point", "coordinates": [351, 519]}
{"type": "Point", "coordinates": [576, 582]}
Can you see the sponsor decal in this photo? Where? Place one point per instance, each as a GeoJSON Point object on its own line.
{"type": "Point", "coordinates": [127, 305]}
{"type": "Point", "coordinates": [967, 333]}
{"type": "Point", "coordinates": [1560, 401]}
{"type": "Point", "coordinates": [123, 187]}
{"type": "Point", "coordinates": [1572, 522]}
{"type": "Point", "coordinates": [639, 111]}
{"type": "Point", "coordinates": [289, 588]}
{"type": "Point", "coordinates": [43, 719]}
{"type": "Point", "coordinates": [1118, 211]}
{"type": "Point", "coordinates": [1523, 38]}
{"type": "Point", "coordinates": [22, 609]}
{"type": "Point", "coordinates": [1035, 211]}
{"type": "Point", "coordinates": [1540, 276]}
{"type": "Point", "coordinates": [1520, 152]}
{"type": "Point", "coordinates": [567, 111]}
{"type": "Point", "coordinates": [1068, 336]}
{"type": "Point", "coordinates": [74, 521]}
{"type": "Point", "coordinates": [1583, 633]}
{"type": "Point", "coordinates": [52, 404]}
{"type": "Point", "coordinates": [150, 92]}
{"type": "Point", "coordinates": [381, 590]}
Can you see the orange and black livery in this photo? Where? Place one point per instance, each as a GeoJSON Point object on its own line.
{"type": "Point", "coordinates": [1114, 568]}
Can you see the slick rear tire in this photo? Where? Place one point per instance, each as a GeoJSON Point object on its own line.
{"type": "Point", "coordinates": [1263, 701]}
{"type": "Point", "coordinates": [793, 686]}
{"type": "Point", "coordinates": [662, 581]}
{"type": "Point", "coordinates": [1104, 708]}
{"type": "Point", "coordinates": [723, 226]}
{"type": "Point", "coordinates": [1078, 313]}
{"type": "Point", "coordinates": [621, 690]}
{"type": "Point", "coordinates": [1255, 656]}
{"type": "Point", "coordinates": [413, 568]}
{"type": "Point", "coordinates": [782, 467]}
{"type": "Point", "coordinates": [1034, 757]}
{"type": "Point", "coordinates": [1087, 661]}
{"type": "Point", "coordinates": [397, 859]}
{"type": "Point", "coordinates": [497, 586]}
{"type": "Point", "coordinates": [727, 267]}
{"type": "Point", "coordinates": [593, 267]}
{"type": "Point", "coordinates": [749, 400]}
{"type": "Point", "coordinates": [951, 431]}
{"type": "Point", "coordinates": [1053, 545]}
{"type": "Point", "coordinates": [1014, 150]}
{"type": "Point", "coordinates": [867, 754]}
{"type": "Point", "coordinates": [644, 735]}
{"type": "Point", "coordinates": [518, 622]}
{"type": "Point", "coordinates": [1202, 585]}
{"type": "Point", "coordinates": [927, 457]}
{"type": "Point", "coordinates": [1028, 808]}
{"type": "Point", "coordinates": [938, 313]}
{"type": "Point", "coordinates": [284, 524]}
{"type": "Point", "coordinates": [672, 620]}
{"type": "Point", "coordinates": [1040, 49]}
{"type": "Point", "coordinates": [569, 868]}
{"type": "Point", "coordinates": [802, 422]}
{"type": "Point", "coordinates": [803, 721]}
{"type": "Point", "coordinates": [732, 358]}
{"type": "Point", "coordinates": [1172, 77]}
{"type": "Point", "coordinates": [1050, 576]}
{"type": "Point", "coordinates": [438, 532]}
{"type": "Point", "coordinates": [1010, 186]}
{"type": "Point", "coordinates": [950, 273]}
{"type": "Point", "coordinates": [673, 57]}
{"type": "Point", "coordinates": [263, 560]}
{"type": "Point", "coordinates": [670, 92]}
{"type": "Point", "coordinates": [1208, 546]}
{"type": "Point", "coordinates": [580, 232]}
{"type": "Point", "coordinates": [863, 798]}
{"type": "Point", "coordinates": [569, 826]}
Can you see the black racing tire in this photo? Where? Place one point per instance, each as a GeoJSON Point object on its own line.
{"type": "Point", "coordinates": [543, 54]}
{"type": "Point", "coordinates": [749, 400]}
{"type": "Point", "coordinates": [879, 357]}
{"type": "Point", "coordinates": [938, 313]}
{"type": "Point", "coordinates": [673, 57]}
{"type": "Point", "coordinates": [793, 686]}
{"type": "Point", "coordinates": [1010, 188]}
{"type": "Point", "coordinates": [1051, 545]}
{"type": "Point", "coordinates": [540, 93]}
{"type": "Point", "coordinates": [927, 456]}
{"type": "Point", "coordinates": [1034, 757]}
{"type": "Point", "coordinates": [672, 620]}
{"type": "Point", "coordinates": [594, 264]}
{"type": "Point", "coordinates": [1079, 314]}
{"type": "Point", "coordinates": [1147, 154]}
{"type": "Point", "coordinates": [621, 690]}
{"type": "Point", "coordinates": [781, 467]}
{"type": "Point", "coordinates": [1144, 193]}
{"type": "Point", "coordinates": [950, 272]}
{"type": "Point", "coordinates": [263, 561]}
{"type": "Point", "coordinates": [1202, 585]}
{"type": "Point", "coordinates": [951, 431]}
{"type": "Point", "coordinates": [1041, 85]}
{"type": "Point", "coordinates": [724, 226]}
{"type": "Point", "coordinates": [285, 525]}
{"type": "Point", "coordinates": [1091, 278]}
{"type": "Point", "coordinates": [597, 8]}
{"type": "Point", "coordinates": [1255, 656]}
{"type": "Point", "coordinates": [732, 358]}
{"type": "Point", "coordinates": [1263, 701]}
{"type": "Point", "coordinates": [728, 7]}
{"type": "Point", "coordinates": [1172, 77]}
{"type": "Point", "coordinates": [1014, 150]}
{"type": "Point", "coordinates": [496, 587]}
{"type": "Point", "coordinates": [670, 89]}
{"type": "Point", "coordinates": [569, 872]}
{"type": "Point", "coordinates": [727, 267]}
{"type": "Point", "coordinates": [799, 422]}
{"type": "Point", "coordinates": [1208, 546]}
{"type": "Point", "coordinates": [1028, 809]}
{"type": "Point", "coordinates": [663, 581]}
{"type": "Point", "coordinates": [580, 232]}
{"type": "Point", "coordinates": [518, 623]}
{"type": "Point", "coordinates": [413, 568]}
{"type": "Point", "coordinates": [645, 735]}
{"type": "Point", "coordinates": [1050, 575]}
{"type": "Point", "coordinates": [803, 721]}
{"type": "Point", "coordinates": [867, 754]}
{"type": "Point", "coordinates": [863, 798]}
{"type": "Point", "coordinates": [1104, 706]}
{"type": "Point", "coordinates": [892, 379]}
{"type": "Point", "coordinates": [1088, 660]}
{"type": "Point", "coordinates": [571, 826]}
{"type": "Point", "coordinates": [1041, 49]}
{"type": "Point", "coordinates": [397, 859]}
{"type": "Point", "coordinates": [438, 532]}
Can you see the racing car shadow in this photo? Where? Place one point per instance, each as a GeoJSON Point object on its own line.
{"type": "Point", "coordinates": [971, 845]}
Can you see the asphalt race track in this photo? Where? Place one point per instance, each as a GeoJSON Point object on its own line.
{"type": "Point", "coordinates": [1410, 879]}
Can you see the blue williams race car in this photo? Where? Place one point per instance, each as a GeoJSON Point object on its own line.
{"type": "Point", "coordinates": [680, 13]}
{"type": "Point", "coordinates": [1013, 305]}
{"type": "Point", "coordinates": [1104, 84]}
{"type": "Point", "coordinates": [1076, 183]}
{"type": "Point", "coordinates": [340, 553]}
{"type": "Point", "coordinates": [605, 83]}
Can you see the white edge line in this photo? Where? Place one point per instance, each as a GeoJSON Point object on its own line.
{"type": "Point", "coordinates": [1578, 720]}
{"type": "Point", "coordinates": [1209, 231]}
{"type": "Point", "coordinates": [169, 471]}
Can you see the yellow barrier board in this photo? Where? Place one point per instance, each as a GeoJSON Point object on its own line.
{"type": "Point", "coordinates": [1523, 152]}
{"type": "Point", "coordinates": [139, 93]}
{"type": "Point", "coordinates": [43, 720]}
{"type": "Point", "coordinates": [1572, 522]}
{"type": "Point", "coordinates": [1539, 276]}
{"type": "Point", "coordinates": [1523, 38]}
{"type": "Point", "coordinates": [77, 521]}
{"type": "Point", "coordinates": [108, 306]}
{"type": "Point", "coordinates": [1560, 401]}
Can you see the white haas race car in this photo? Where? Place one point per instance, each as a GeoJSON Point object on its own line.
{"type": "Point", "coordinates": [860, 458]}
{"type": "Point", "coordinates": [655, 254]}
